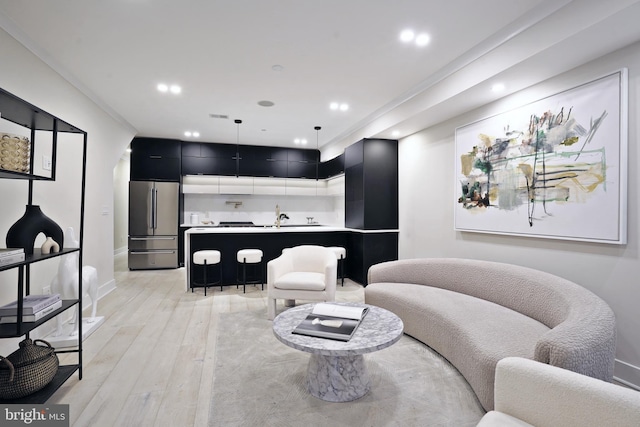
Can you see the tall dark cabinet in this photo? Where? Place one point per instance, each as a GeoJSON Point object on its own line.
{"type": "Point", "coordinates": [371, 203]}
{"type": "Point", "coordinates": [371, 184]}
{"type": "Point", "coordinates": [42, 125]}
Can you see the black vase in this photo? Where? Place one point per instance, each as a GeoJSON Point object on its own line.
{"type": "Point", "coordinates": [23, 233]}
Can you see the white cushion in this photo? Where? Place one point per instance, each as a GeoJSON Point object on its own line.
{"type": "Point", "coordinates": [498, 419]}
{"type": "Point", "coordinates": [210, 256]}
{"type": "Point", "coordinates": [299, 280]}
{"type": "Point", "coordinates": [250, 256]}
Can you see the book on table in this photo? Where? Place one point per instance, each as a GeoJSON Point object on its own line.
{"type": "Point", "coordinates": [31, 304]}
{"type": "Point", "coordinates": [332, 321]}
{"type": "Point", "coordinates": [11, 259]}
{"type": "Point", "coordinates": [33, 317]}
{"type": "Point", "coordinates": [11, 255]}
{"type": "Point", "coordinates": [4, 252]}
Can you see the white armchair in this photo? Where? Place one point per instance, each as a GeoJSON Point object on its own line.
{"type": "Point", "coordinates": [305, 272]}
{"type": "Point", "coordinates": [530, 393]}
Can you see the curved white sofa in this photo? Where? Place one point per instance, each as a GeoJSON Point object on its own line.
{"type": "Point", "coordinates": [475, 313]}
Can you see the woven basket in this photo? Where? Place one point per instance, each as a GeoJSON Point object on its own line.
{"type": "Point", "coordinates": [27, 369]}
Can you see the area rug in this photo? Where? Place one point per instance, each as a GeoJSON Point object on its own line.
{"type": "Point", "coordinates": [261, 382]}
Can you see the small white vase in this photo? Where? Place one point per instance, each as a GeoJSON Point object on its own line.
{"type": "Point", "coordinates": [49, 246]}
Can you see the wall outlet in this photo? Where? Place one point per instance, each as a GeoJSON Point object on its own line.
{"type": "Point", "coordinates": [46, 290]}
{"type": "Point", "coordinates": [46, 162]}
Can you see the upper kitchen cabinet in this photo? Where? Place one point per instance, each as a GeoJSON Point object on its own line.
{"type": "Point", "coordinates": [371, 184]}
{"type": "Point", "coordinates": [302, 163]}
{"type": "Point", "coordinates": [201, 158]}
{"type": "Point", "coordinates": [261, 161]}
{"type": "Point", "coordinates": [331, 168]}
{"type": "Point", "coordinates": [155, 159]}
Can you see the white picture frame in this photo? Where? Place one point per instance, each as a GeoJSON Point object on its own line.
{"type": "Point", "coordinates": [554, 168]}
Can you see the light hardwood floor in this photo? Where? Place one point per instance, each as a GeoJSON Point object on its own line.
{"type": "Point", "coordinates": [152, 361]}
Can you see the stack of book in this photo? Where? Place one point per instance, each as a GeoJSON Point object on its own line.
{"type": "Point", "coordinates": [34, 308]}
{"type": "Point", "coordinates": [11, 255]}
{"type": "Point", "coordinates": [332, 321]}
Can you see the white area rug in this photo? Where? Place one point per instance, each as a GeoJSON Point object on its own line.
{"type": "Point", "coordinates": [261, 382]}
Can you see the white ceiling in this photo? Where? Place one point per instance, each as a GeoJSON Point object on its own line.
{"type": "Point", "coordinates": [222, 54]}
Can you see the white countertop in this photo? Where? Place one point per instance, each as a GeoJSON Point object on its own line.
{"type": "Point", "coordinates": [273, 229]}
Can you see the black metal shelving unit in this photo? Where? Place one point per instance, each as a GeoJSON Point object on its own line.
{"type": "Point", "coordinates": [20, 112]}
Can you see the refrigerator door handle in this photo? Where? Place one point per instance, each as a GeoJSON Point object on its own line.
{"type": "Point", "coordinates": [152, 238]}
{"type": "Point", "coordinates": [154, 208]}
{"type": "Point", "coordinates": [151, 208]}
{"type": "Point", "coordinates": [151, 252]}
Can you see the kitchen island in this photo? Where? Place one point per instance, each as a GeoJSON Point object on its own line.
{"type": "Point", "coordinates": [364, 247]}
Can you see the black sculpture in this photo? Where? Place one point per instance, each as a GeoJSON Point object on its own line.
{"type": "Point", "coordinates": [23, 233]}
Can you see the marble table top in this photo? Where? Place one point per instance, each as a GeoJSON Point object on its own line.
{"type": "Point", "coordinates": [379, 329]}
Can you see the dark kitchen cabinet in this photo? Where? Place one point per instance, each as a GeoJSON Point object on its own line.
{"type": "Point", "coordinates": [155, 159]}
{"type": "Point", "coordinates": [302, 163]}
{"type": "Point", "coordinates": [201, 158]}
{"type": "Point", "coordinates": [277, 162]}
{"type": "Point", "coordinates": [371, 184]}
{"type": "Point", "coordinates": [263, 161]}
{"type": "Point", "coordinates": [331, 167]}
{"type": "Point", "coordinates": [301, 170]}
{"type": "Point", "coordinates": [166, 160]}
{"type": "Point", "coordinates": [367, 249]}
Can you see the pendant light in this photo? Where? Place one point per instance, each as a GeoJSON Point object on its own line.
{"type": "Point", "coordinates": [317, 128]}
{"type": "Point", "coordinates": [237, 122]}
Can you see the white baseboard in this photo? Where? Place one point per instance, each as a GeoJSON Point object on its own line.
{"type": "Point", "coordinates": [627, 374]}
{"type": "Point", "coordinates": [120, 251]}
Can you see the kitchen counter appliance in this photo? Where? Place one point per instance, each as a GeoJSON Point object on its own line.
{"type": "Point", "coordinates": [153, 225]}
{"type": "Point", "coordinates": [236, 224]}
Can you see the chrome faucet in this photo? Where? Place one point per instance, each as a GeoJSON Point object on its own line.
{"type": "Point", "coordinates": [277, 216]}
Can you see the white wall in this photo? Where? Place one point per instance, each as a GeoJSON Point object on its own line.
{"type": "Point", "coordinates": [27, 77]}
{"type": "Point", "coordinates": [121, 204]}
{"type": "Point", "coordinates": [611, 271]}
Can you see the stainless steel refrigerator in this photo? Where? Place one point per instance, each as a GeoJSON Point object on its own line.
{"type": "Point", "coordinates": [153, 225]}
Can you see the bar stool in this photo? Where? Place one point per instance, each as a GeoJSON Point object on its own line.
{"type": "Point", "coordinates": [206, 258]}
{"type": "Point", "coordinates": [253, 257]}
{"type": "Point", "coordinates": [341, 254]}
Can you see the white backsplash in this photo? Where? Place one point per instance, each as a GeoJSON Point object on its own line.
{"type": "Point", "coordinates": [261, 209]}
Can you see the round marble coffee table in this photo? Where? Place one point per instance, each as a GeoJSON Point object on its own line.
{"type": "Point", "coordinates": [336, 371]}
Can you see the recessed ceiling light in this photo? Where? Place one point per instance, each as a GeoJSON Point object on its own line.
{"type": "Point", "coordinates": [196, 134]}
{"type": "Point", "coordinates": [395, 133]}
{"type": "Point", "coordinates": [407, 36]}
{"type": "Point", "coordinates": [423, 39]}
{"type": "Point", "coordinates": [498, 87]}
{"type": "Point", "coordinates": [266, 103]}
{"type": "Point", "coordinates": [190, 134]}
{"type": "Point", "coordinates": [339, 106]}
{"type": "Point", "coordinates": [163, 87]}
{"type": "Point", "coordinates": [300, 141]}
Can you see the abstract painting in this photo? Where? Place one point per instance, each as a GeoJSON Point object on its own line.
{"type": "Point", "coordinates": [554, 168]}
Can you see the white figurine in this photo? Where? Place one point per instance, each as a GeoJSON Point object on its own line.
{"type": "Point", "coordinates": [66, 284]}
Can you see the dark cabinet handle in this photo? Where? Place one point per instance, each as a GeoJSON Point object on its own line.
{"type": "Point", "coordinates": [155, 157]}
